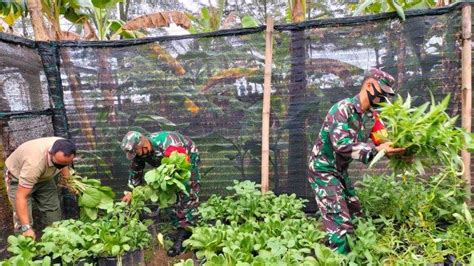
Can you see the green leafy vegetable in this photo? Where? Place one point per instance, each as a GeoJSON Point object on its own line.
{"type": "Point", "coordinates": [92, 196]}
{"type": "Point", "coordinates": [428, 133]}
{"type": "Point", "coordinates": [168, 179]}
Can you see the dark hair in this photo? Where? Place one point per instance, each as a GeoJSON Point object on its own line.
{"type": "Point", "coordinates": [64, 145]}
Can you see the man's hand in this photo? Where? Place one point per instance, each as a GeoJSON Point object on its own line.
{"type": "Point", "coordinates": [128, 197]}
{"type": "Point", "coordinates": [64, 177]}
{"type": "Point", "coordinates": [29, 233]}
{"type": "Point", "coordinates": [389, 150]}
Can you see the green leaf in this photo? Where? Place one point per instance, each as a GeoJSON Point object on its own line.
{"type": "Point", "coordinates": [395, 5]}
{"type": "Point", "coordinates": [249, 22]}
{"type": "Point", "coordinates": [106, 204]}
{"type": "Point", "coordinates": [91, 213]}
{"type": "Point", "coordinates": [75, 16]}
{"type": "Point", "coordinates": [377, 157]}
{"type": "Point", "coordinates": [46, 261]}
{"type": "Point", "coordinates": [205, 13]}
{"type": "Point", "coordinates": [361, 8]}
{"type": "Point", "coordinates": [154, 197]}
{"type": "Point", "coordinates": [115, 250]}
{"type": "Point", "coordinates": [467, 213]}
{"type": "Point", "coordinates": [115, 25]}
{"type": "Point", "coordinates": [89, 199]}
{"type": "Point", "coordinates": [104, 4]}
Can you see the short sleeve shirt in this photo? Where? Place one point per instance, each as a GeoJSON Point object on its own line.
{"type": "Point", "coordinates": [30, 163]}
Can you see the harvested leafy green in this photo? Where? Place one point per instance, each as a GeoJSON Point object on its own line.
{"type": "Point", "coordinates": [168, 179]}
{"type": "Point", "coordinates": [92, 196]}
{"type": "Point", "coordinates": [428, 133]}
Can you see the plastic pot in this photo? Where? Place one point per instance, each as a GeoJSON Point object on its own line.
{"type": "Point", "coordinates": [128, 258]}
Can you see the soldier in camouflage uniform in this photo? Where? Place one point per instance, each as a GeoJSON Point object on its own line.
{"type": "Point", "coordinates": [151, 149]}
{"type": "Point", "coordinates": [340, 141]}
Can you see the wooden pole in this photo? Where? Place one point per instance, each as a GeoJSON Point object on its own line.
{"type": "Point", "coordinates": [266, 105]}
{"type": "Point", "coordinates": [34, 7]}
{"type": "Point", "coordinates": [466, 91]}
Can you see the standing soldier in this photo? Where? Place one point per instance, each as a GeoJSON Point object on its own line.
{"type": "Point", "coordinates": [151, 149]}
{"type": "Point", "coordinates": [340, 141]}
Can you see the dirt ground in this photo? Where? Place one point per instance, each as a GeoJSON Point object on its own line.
{"type": "Point", "coordinates": [158, 257]}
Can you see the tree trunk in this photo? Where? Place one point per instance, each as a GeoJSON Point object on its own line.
{"type": "Point", "coordinates": [415, 32]}
{"type": "Point", "coordinates": [75, 85]}
{"type": "Point", "coordinates": [107, 85]}
{"type": "Point", "coordinates": [401, 55]}
{"type": "Point", "coordinates": [34, 7]}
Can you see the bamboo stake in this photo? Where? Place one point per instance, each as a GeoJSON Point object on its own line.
{"type": "Point", "coordinates": [34, 7]}
{"type": "Point", "coordinates": [466, 92]}
{"type": "Point", "coordinates": [266, 105]}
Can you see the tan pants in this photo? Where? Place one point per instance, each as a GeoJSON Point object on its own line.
{"type": "Point", "coordinates": [44, 196]}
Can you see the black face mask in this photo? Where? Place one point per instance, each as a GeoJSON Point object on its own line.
{"type": "Point", "coordinates": [59, 166]}
{"type": "Point", "coordinates": [376, 95]}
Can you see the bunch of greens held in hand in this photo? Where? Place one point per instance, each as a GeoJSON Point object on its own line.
{"type": "Point", "coordinates": [92, 196]}
{"type": "Point", "coordinates": [428, 134]}
{"type": "Point", "coordinates": [164, 182]}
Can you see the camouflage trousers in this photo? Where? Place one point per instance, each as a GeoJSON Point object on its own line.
{"type": "Point", "coordinates": [184, 212]}
{"type": "Point", "coordinates": [338, 203]}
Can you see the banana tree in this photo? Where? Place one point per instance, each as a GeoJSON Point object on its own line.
{"type": "Point", "coordinates": [10, 12]}
{"type": "Point", "coordinates": [93, 19]}
{"type": "Point", "coordinates": [415, 33]}
{"type": "Point", "coordinates": [212, 19]}
{"type": "Point", "coordinates": [399, 6]}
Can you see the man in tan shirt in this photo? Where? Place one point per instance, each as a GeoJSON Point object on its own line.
{"type": "Point", "coordinates": [30, 172]}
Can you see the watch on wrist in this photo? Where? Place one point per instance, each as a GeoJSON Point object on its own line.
{"type": "Point", "coordinates": [25, 227]}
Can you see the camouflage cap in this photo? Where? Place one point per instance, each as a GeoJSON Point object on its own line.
{"type": "Point", "coordinates": [132, 141]}
{"type": "Point", "coordinates": [385, 80]}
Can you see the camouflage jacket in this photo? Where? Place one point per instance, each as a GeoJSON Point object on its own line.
{"type": "Point", "coordinates": [342, 139]}
{"type": "Point", "coordinates": [160, 142]}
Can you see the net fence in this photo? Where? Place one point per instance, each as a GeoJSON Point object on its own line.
{"type": "Point", "coordinates": [210, 87]}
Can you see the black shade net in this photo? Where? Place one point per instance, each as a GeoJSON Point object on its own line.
{"type": "Point", "coordinates": [210, 87]}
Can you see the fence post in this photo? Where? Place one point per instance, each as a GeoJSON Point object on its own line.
{"type": "Point", "coordinates": [466, 91]}
{"type": "Point", "coordinates": [266, 105]}
{"type": "Point", "coordinates": [49, 54]}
